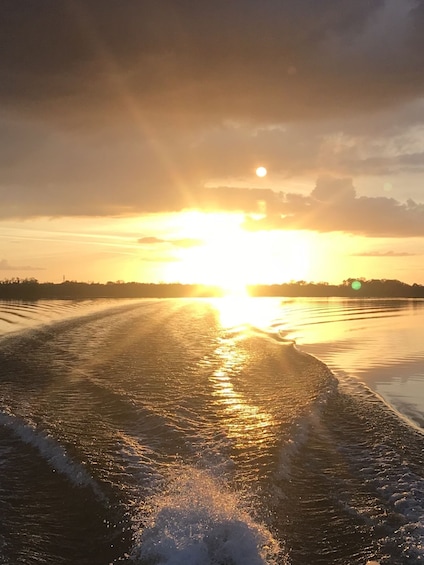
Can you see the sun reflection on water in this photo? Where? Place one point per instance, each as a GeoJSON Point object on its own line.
{"type": "Point", "coordinates": [243, 310]}
{"type": "Point", "coordinates": [248, 424]}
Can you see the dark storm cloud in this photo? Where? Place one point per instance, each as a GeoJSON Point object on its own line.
{"type": "Point", "coordinates": [334, 206]}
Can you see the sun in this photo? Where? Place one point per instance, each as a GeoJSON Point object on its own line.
{"type": "Point", "coordinates": [233, 258]}
{"type": "Point", "coordinates": [261, 172]}
{"type": "Point", "coordinates": [225, 258]}
{"type": "Point", "coordinates": [221, 260]}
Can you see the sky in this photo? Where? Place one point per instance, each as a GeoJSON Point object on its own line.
{"type": "Point", "coordinates": [130, 133]}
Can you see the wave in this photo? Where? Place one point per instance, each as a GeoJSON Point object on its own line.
{"type": "Point", "coordinates": [196, 520]}
{"type": "Point", "coordinates": [220, 445]}
{"type": "Point", "coordinates": [387, 453]}
{"type": "Point", "coordinates": [17, 315]}
{"type": "Point", "coordinates": [360, 465]}
{"type": "Point", "coordinates": [51, 451]}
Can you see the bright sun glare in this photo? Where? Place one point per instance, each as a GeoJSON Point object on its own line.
{"type": "Point", "coordinates": [241, 310]}
{"type": "Point", "coordinates": [232, 258]}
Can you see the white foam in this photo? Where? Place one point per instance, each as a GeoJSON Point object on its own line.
{"type": "Point", "coordinates": [198, 521]}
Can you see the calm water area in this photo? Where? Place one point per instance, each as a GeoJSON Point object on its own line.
{"type": "Point", "coordinates": [378, 342]}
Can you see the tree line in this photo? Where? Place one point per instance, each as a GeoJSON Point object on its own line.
{"type": "Point", "coordinates": [32, 289]}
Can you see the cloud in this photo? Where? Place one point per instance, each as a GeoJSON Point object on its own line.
{"type": "Point", "coordinates": [390, 253]}
{"type": "Point", "coordinates": [44, 172]}
{"type": "Point", "coordinates": [121, 108]}
{"type": "Point", "coordinates": [151, 240]}
{"type": "Point", "coordinates": [184, 242]}
{"type": "Point", "coordinates": [6, 266]}
{"type": "Point", "coordinates": [334, 206]}
{"type": "Point", "coordinates": [266, 60]}
{"type": "Point", "coordinates": [334, 190]}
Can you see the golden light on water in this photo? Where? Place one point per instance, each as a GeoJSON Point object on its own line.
{"type": "Point", "coordinates": [284, 319]}
{"type": "Point", "coordinates": [246, 423]}
{"type": "Point", "coordinates": [240, 310]}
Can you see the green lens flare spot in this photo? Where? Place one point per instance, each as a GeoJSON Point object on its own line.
{"type": "Point", "coordinates": [356, 285]}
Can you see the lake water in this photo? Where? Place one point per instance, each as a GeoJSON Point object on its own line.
{"type": "Point", "coordinates": [195, 432]}
{"type": "Point", "coordinates": [378, 342]}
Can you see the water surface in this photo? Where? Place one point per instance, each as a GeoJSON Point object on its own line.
{"type": "Point", "coordinates": [195, 432]}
